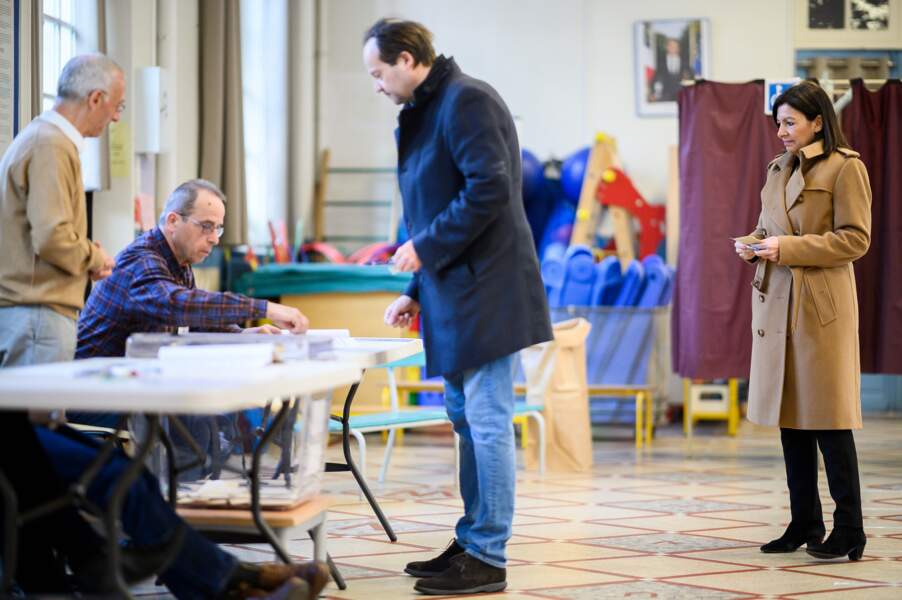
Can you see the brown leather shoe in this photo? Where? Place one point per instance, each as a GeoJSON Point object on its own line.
{"type": "Point", "coordinates": [293, 589]}
{"type": "Point", "coordinates": [255, 581]}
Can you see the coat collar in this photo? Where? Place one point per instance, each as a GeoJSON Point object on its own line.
{"type": "Point", "coordinates": [796, 182]}
{"type": "Point", "coordinates": [441, 68]}
{"type": "Point", "coordinates": [806, 155]}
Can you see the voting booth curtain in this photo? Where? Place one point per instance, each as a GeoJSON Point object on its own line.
{"type": "Point", "coordinates": [726, 141]}
{"type": "Point", "coordinates": [872, 124]}
{"type": "Point", "coordinates": [725, 144]}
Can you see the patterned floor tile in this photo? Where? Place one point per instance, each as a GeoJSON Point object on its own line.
{"type": "Point", "coordinates": [685, 506]}
{"type": "Point", "coordinates": [664, 543]}
{"type": "Point", "coordinates": [687, 515]}
{"type": "Point", "coordinates": [640, 589]}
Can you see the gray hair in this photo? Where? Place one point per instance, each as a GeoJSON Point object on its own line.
{"type": "Point", "coordinates": [85, 73]}
{"type": "Point", "coordinates": [181, 200]}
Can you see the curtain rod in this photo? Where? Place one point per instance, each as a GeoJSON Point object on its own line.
{"type": "Point", "coordinates": [688, 82]}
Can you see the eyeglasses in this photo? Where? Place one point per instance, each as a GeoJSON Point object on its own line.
{"type": "Point", "coordinates": [206, 226]}
{"type": "Point", "coordinates": [120, 108]}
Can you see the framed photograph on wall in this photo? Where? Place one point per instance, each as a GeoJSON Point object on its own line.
{"type": "Point", "coordinates": [668, 52]}
{"type": "Point", "coordinates": [839, 24]}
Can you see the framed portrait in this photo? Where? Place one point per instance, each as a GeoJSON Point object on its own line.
{"type": "Point", "coordinates": [668, 52]}
{"type": "Point", "coordinates": [838, 24]}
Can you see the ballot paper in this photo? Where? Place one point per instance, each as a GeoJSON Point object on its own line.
{"type": "Point", "coordinates": [235, 493]}
{"type": "Point", "coordinates": [285, 347]}
{"type": "Point", "coordinates": [306, 452]}
{"type": "Point", "coordinates": [749, 240]}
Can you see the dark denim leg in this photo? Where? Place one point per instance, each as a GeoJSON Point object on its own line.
{"type": "Point", "coordinates": [201, 568]}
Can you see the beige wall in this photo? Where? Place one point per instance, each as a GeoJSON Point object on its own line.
{"type": "Point", "coordinates": [564, 67]}
{"type": "Point", "coordinates": [143, 33]}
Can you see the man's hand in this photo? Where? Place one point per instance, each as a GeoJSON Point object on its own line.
{"type": "Point", "coordinates": [405, 259]}
{"type": "Point", "coordinates": [262, 329]}
{"type": "Point", "coordinates": [768, 249]}
{"type": "Point", "coordinates": [108, 264]}
{"type": "Point", "coordinates": [287, 317]}
{"type": "Point", "coordinates": [402, 312]}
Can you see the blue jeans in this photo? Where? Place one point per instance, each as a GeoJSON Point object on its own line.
{"type": "Point", "coordinates": [200, 570]}
{"type": "Point", "coordinates": [480, 404]}
{"type": "Point", "coordinates": [34, 334]}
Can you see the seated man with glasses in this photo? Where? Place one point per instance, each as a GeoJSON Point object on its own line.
{"type": "Point", "coordinates": [152, 287]}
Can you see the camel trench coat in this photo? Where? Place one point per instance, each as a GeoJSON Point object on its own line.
{"type": "Point", "coordinates": [805, 371]}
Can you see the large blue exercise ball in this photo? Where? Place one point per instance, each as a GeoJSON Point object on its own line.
{"type": "Point", "coordinates": [533, 175]}
{"type": "Point", "coordinates": [572, 171]}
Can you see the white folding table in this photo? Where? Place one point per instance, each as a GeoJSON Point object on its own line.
{"type": "Point", "coordinates": [139, 386]}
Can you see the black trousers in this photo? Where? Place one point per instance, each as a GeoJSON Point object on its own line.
{"type": "Point", "coordinates": [44, 543]}
{"type": "Point", "coordinates": [841, 464]}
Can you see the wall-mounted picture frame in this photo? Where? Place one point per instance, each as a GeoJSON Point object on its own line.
{"type": "Point", "coordinates": [840, 24]}
{"type": "Point", "coordinates": [668, 51]}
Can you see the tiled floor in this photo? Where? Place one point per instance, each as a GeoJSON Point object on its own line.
{"type": "Point", "coordinates": [681, 519]}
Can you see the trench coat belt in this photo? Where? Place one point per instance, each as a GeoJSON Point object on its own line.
{"type": "Point", "coordinates": [760, 281]}
{"type": "Point", "coordinates": [798, 277]}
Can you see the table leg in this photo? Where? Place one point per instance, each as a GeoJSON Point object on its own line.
{"type": "Point", "coordinates": [11, 533]}
{"type": "Point", "coordinates": [285, 457]}
{"type": "Point", "coordinates": [733, 407]}
{"type": "Point", "coordinates": [640, 411]}
{"type": "Point", "coordinates": [349, 464]}
{"type": "Point", "coordinates": [264, 528]}
{"type": "Point", "coordinates": [171, 470]}
{"type": "Point", "coordinates": [114, 506]}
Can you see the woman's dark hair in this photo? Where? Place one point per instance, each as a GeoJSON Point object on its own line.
{"type": "Point", "coordinates": [394, 36]}
{"type": "Point", "coordinates": [811, 100]}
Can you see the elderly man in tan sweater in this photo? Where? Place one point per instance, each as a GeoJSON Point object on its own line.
{"type": "Point", "coordinates": [47, 256]}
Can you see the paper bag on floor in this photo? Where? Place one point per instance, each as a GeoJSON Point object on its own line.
{"type": "Point", "coordinates": [556, 379]}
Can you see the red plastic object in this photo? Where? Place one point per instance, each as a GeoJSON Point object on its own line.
{"type": "Point", "coordinates": [328, 252]}
{"type": "Point", "coordinates": [616, 189]}
{"type": "Point", "coordinates": [374, 254]}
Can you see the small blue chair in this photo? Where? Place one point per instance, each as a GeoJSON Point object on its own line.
{"type": "Point", "coordinates": [397, 418]}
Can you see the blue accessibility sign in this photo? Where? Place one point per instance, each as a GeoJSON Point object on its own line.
{"type": "Point", "coordinates": [773, 88]}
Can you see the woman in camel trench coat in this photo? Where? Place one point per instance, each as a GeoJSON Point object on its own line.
{"type": "Point", "coordinates": [805, 374]}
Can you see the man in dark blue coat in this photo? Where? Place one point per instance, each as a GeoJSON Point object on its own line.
{"type": "Point", "coordinates": [476, 278]}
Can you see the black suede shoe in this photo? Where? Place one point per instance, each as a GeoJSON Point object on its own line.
{"type": "Point", "coordinates": [434, 566]}
{"type": "Point", "coordinates": [466, 575]}
{"type": "Point", "coordinates": [793, 538]}
{"type": "Point", "coordinates": [843, 541]}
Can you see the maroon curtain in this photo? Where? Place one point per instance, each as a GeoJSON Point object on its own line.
{"type": "Point", "coordinates": [726, 142]}
{"type": "Point", "coordinates": [872, 123]}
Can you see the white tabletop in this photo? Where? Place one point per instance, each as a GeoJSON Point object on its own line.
{"type": "Point", "coordinates": [371, 352]}
{"type": "Point", "coordinates": [136, 385]}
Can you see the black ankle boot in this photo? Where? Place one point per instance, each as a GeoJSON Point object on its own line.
{"type": "Point", "coordinates": [793, 538]}
{"type": "Point", "coordinates": [843, 541]}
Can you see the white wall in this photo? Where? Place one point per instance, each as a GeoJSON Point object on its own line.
{"type": "Point", "coordinates": [137, 31]}
{"type": "Point", "coordinates": [130, 42]}
{"type": "Point", "coordinates": [564, 67]}
{"type": "Point", "coordinates": [178, 56]}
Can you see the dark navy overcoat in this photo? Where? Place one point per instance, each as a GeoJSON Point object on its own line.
{"type": "Point", "coordinates": [459, 171]}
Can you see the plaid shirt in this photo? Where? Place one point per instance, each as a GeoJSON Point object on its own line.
{"type": "Point", "coordinates": [149, 291]}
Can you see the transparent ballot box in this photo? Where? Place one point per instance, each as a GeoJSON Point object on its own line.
{"type": "Point", "coordinates": [214, 454]}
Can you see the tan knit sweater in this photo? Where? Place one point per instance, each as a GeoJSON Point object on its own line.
{"type": "Point", "coordinates": [45, 255]}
